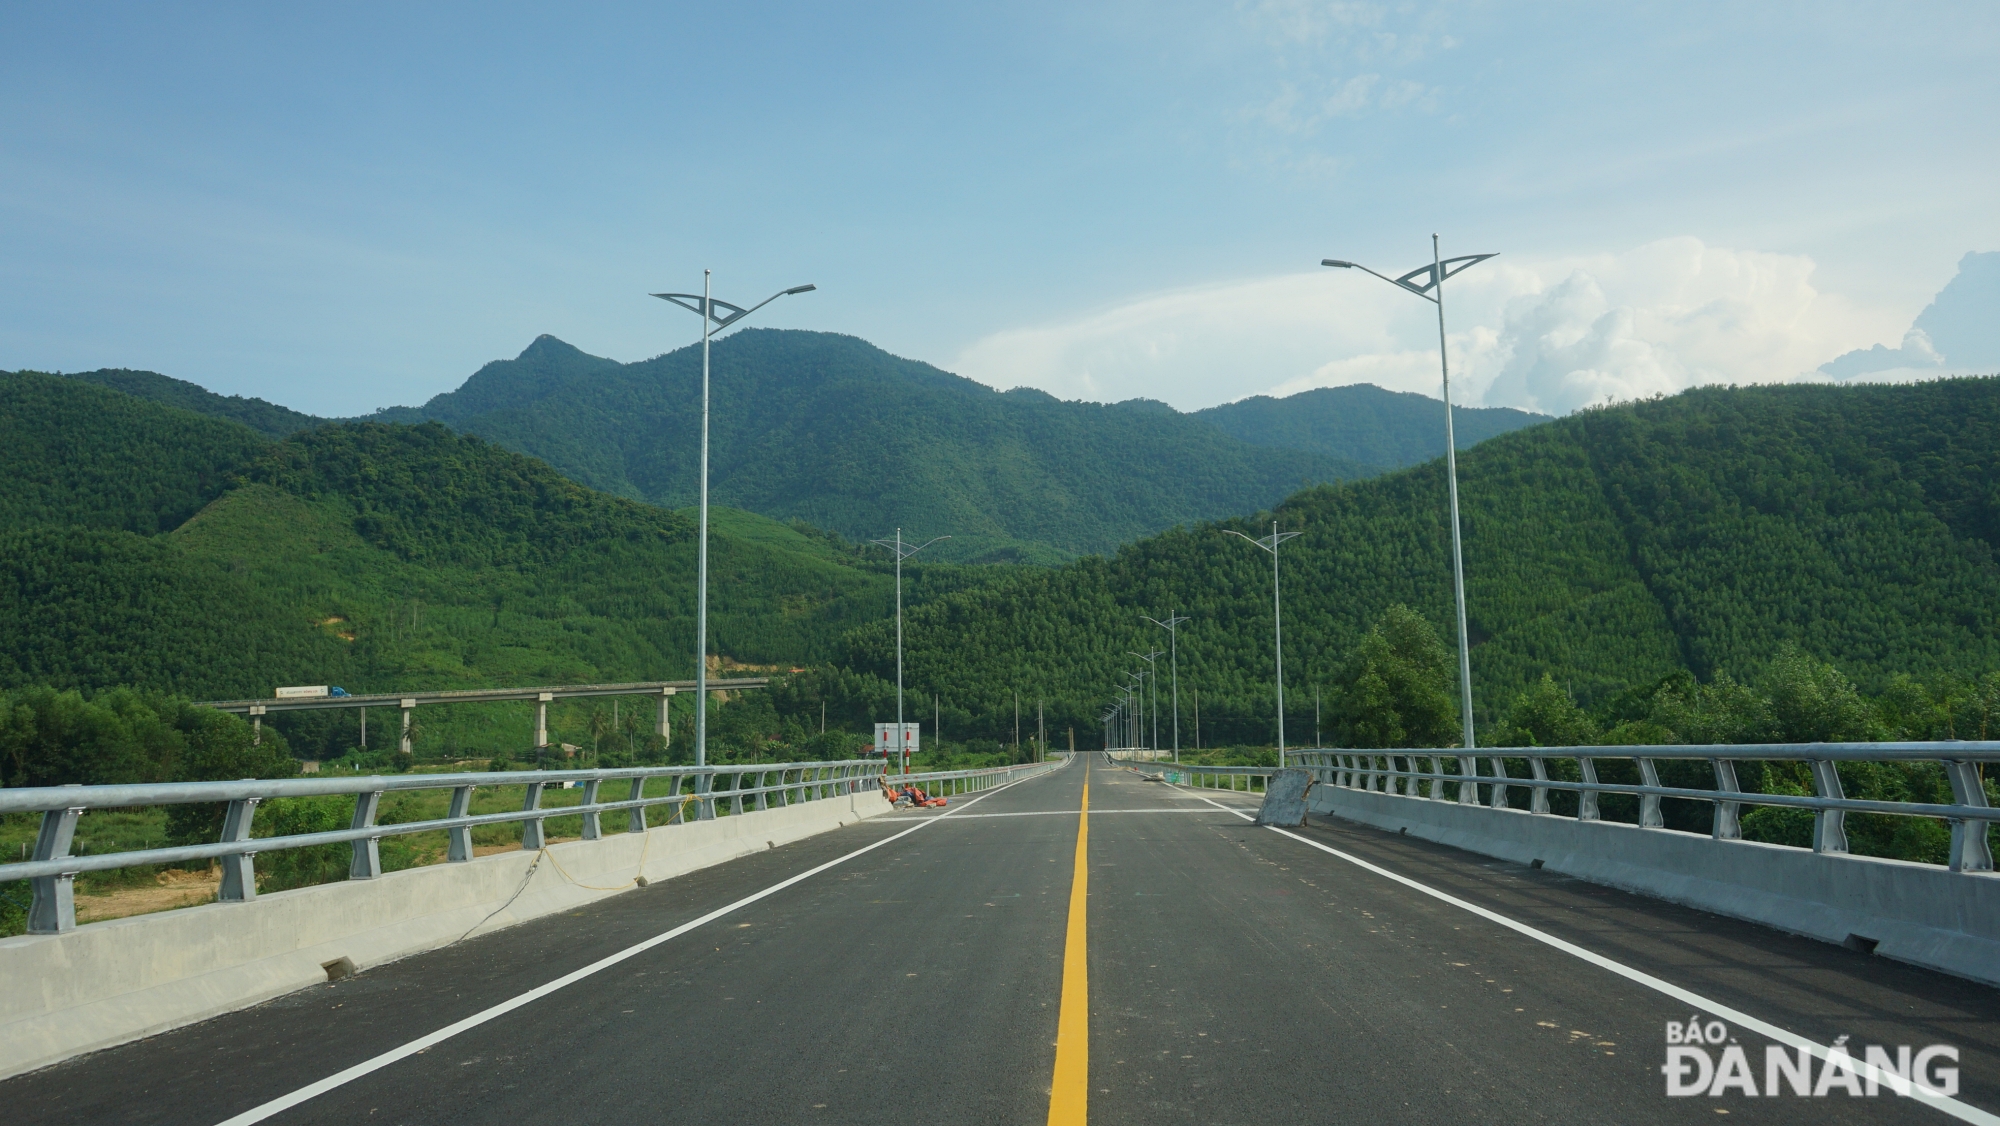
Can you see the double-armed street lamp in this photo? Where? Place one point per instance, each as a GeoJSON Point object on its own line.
{"type": "Point", "coordinates": [1270, 543]}
{"type": "Point", "coordinates": [715, 316]}
{"type": "Point", "coordinates": [902, 551]}
{"type": "Point", "coordinates": [1172, 625]}
{"type": "Point", "coordinates": [1427, 282]}
{"type": "Point", "coordinates": [1153, 682]}
{"type": "Point", "coordinates": [1135, 709]}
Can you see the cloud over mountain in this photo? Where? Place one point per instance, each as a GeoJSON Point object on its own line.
{"type": "Point", "coordinates": [1958, 331]}
{"type": "Point", "coordinates": [1548, 335]}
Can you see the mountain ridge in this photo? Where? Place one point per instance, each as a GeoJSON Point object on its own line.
{"type": "Point", "coordinates": [829, 429]}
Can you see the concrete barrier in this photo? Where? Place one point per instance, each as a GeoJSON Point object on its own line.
{"type": "Point", "coordinates": [111, 982]}
{"type": "Point", "coordinates": [1917, 913]}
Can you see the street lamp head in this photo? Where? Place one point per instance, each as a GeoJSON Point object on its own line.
{"type": "Point", "coordinates": [800, 289]}
{"type": "Point", "coordinates": [1336, 263]}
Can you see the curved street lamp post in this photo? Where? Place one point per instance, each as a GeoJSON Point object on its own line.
{"type": "Point", "coordinates": [715, 316]}
{"type": "Point", "coordinates": [1270, 543]}
{"type": "Point", "coordinates": [1153, 684]}
{"type": "Point", "coordinates": [1172, 625]}
{"type": "Point", "coordinates": [1432, 290]}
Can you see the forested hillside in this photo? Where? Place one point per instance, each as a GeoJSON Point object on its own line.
{"type": "Point", "coordinates": [153, 548]}
{"type": "Point", "coordinates": [1363, 423]}
{"type": "Point", "coordinates": [268, 419]}
{"type": "Point", "coordinates": [841, 434]}
{"type": "Point", "coordinates": [1699, 534]}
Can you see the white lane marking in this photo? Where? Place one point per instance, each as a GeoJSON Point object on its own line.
{"type": "Point", "coordinates": [342, 1078]}
{"type": "Point", "coordinates": [1054, 813]}
{"type": "Point", "coordinates": [1964, 1112]}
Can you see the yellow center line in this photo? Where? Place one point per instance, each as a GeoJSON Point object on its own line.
{"type": "Point", "coordinates": [1069, 1096]}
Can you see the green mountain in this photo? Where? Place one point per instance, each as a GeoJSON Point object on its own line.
{"type": "Point", "coordinates": [833, 431]}
{"type": "Point", "coordinates": [1699, 534]}
{"type": "Point", "coordinates": [845, 436]}
{"type": "Point", "coordinates": [268, 419]}
{"type": "Point", "coordinates": [147, 546]}
{"type": "Point", "coordinates": [1362, 423]}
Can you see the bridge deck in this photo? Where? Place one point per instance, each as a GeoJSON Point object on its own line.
{"type": "Point", "coordinates": [1236, 975]}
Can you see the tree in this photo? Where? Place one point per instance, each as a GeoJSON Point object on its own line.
{"type": "Point", "coordinates": [1812, 701]}
{"type": "Point", "coordinates": [1395, 688]}
{"type": "Point", "coordinates": [1546, 715]}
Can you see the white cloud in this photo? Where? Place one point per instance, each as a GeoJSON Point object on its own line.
{"type": "Point", "coordinates": [1550, 335]}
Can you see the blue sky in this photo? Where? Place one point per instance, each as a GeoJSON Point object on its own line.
{"type": "Point", "coordinates": [355, 207]}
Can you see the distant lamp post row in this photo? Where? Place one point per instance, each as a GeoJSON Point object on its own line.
{"type": "Point", "coordinates": [1431, 289]}
{"type": "Point", "coordinates": [715, 316]}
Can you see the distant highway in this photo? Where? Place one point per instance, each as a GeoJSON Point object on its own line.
{"type": "Point", "coordinates": [915, 968]}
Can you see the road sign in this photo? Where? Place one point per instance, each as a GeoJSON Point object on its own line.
{"type": "Point", "coordinates": [889, 742]}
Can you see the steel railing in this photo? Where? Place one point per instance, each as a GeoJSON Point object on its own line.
{"type": "Point", "coordinates": [696, 793]}
{"type": "Point", "coordinates": [948, 783]}
{"type": "Point", "coordinates": [1251, 779]}
{"type": "Point", "coordinates": [1968, 813]}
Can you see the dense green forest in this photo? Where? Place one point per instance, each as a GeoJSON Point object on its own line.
{"type": "Point", "coordinates": [1693, 536]}
{"type": "Point", "coordinates": [1363, 423]}
{"type": "Point", "coordinates": [1661, 548]}
{"type": "Point", "coordinates": [151, 548]}
{"type": "Point", "coordinates": [268, 419]}
{"type": "Point", "coordinates": [836, 432]}
{"type": "Point", "coordinates": [845, 436]}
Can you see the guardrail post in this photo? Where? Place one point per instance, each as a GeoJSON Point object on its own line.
{"type": "Point", "coordinates": [1649, 804]}
{"type": "Point", "coordinates": [1586, 800]}
{"type": "Point", "coordinates": [1970, 850]}
{"type": "Point", "coordinates": [239, 872]}
{"type": "Point", "coordinates": [1468, 785]}
{"type": "Point", "coordinates": [53, 907]}
{"type": "Point", "coordinates": [761, 795]}
{"type": "Point", "coordinates": [531, 829]}
{"type": "Point", "coordinates": [1437, 778]}
{"type": "Point", "coordinates": [459, 848]}
{"type": "Point", "coordinates": [1498, 797]}
{"type": "Point", "coordinates": [1728, 820]}
{"type": "Point", "coordinates": [637, 821]}
{"type": "Point", "coordinates": [704, 788]}
{"type": "Point", "coordinates": [736, 791]}
{"type": "Point", "coordinates": [366, 863]}
{"type": "Point", "coordinates": [1538, 797]}
{"type": "Point", "coordinates": [593, 829]}
{"type": "Point", "coordinates": [1829, 825]}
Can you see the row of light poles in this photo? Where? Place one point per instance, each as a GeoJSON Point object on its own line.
{"type": "Point", "coordinates": [1426, 282]}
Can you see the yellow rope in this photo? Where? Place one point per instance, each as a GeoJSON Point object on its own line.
{"type": "Point", "coordinates": [645, 845]}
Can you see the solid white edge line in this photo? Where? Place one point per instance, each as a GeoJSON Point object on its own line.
{"type": "Point", "coordinates": [342, 1078]}
{"type": "Point", "coordinates": [1964, 1112]}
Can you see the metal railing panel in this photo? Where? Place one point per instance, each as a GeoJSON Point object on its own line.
{"type": "Point", "coordinates": [52, 870]}
{"type": "Point", "coordinates": [1968, 814]}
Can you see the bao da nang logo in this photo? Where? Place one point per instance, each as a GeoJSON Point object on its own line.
{"type": "Point", "coordinates": [1703, 1058]}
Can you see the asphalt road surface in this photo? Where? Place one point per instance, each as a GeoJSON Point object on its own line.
{"type": "Point", "coordinates": [1235, 974]}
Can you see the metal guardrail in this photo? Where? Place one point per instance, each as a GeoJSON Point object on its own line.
{"type": "Point", "coordinates": [1254, 779]}
{"type": "Point", "coordinates": [947, 783]}
{"type": "Point", "coordinates": [1968, 814]}
{"type": "Point", "coordinates": [697, 793]}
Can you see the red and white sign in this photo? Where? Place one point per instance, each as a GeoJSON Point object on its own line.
{"type": "Point", "coordinates": [889, 742]}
